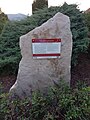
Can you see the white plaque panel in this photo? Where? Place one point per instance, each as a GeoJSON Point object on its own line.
{"type": "Point", "coordinates": [46, 48]}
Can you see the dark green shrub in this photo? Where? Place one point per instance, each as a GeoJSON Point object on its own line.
{"type": "Point", "coordinates": [60, 103]}
{"type": "Point", "coordinates": [9, 39]}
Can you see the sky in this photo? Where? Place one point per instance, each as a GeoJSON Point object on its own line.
{"type": "Point", "coordinates": [25, 6]}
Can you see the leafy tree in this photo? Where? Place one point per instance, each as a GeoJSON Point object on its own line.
{"type": "Point", "coordinates": [39, 4]}
{"type": "Point", "coordinates": [9, 39]}
{"type": "Point", "coordinates": [3, 20]}
{"type": "Point", "coordinates": [87, 18]}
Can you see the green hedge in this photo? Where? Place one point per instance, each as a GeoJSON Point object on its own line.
{"type": "Point", "coordinates": [9, 39]}
{"type": "Point", "coordinates": [60, 103]}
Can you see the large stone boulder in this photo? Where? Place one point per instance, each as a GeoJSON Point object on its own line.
{"type": "Point", "coordinates": [41, 73]}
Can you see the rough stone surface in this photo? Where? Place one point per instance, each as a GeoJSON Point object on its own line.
{"type": "Point", "coordinates": [41, 73]}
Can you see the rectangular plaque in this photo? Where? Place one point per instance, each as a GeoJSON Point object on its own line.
{"type": "Point", "coordinates": [46, 48]}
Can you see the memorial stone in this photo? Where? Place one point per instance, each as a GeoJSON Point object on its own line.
{"type": "Point", "coordinates": [46, 56]}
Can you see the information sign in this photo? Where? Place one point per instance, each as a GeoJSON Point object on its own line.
{"type": "Point", "coordinates": [46, 48]}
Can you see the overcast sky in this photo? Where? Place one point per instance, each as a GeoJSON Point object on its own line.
{"type": "Point", "coordinates": [24, 6]}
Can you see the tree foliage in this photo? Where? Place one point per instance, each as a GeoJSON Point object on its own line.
{"type": "Point", "coordinates": [3, 20]}
{"type": "Point", "coordinates": [39, 4]}
{"type": "Point", "coordinates": [87, 18]}
{"type": "Point", "coordinates": [9, 39]}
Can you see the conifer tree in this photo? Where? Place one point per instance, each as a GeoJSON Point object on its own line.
{"type": "Point", "coordinates": [39, 4]}
{"type": "Point", "coordinates": [3, 20]}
